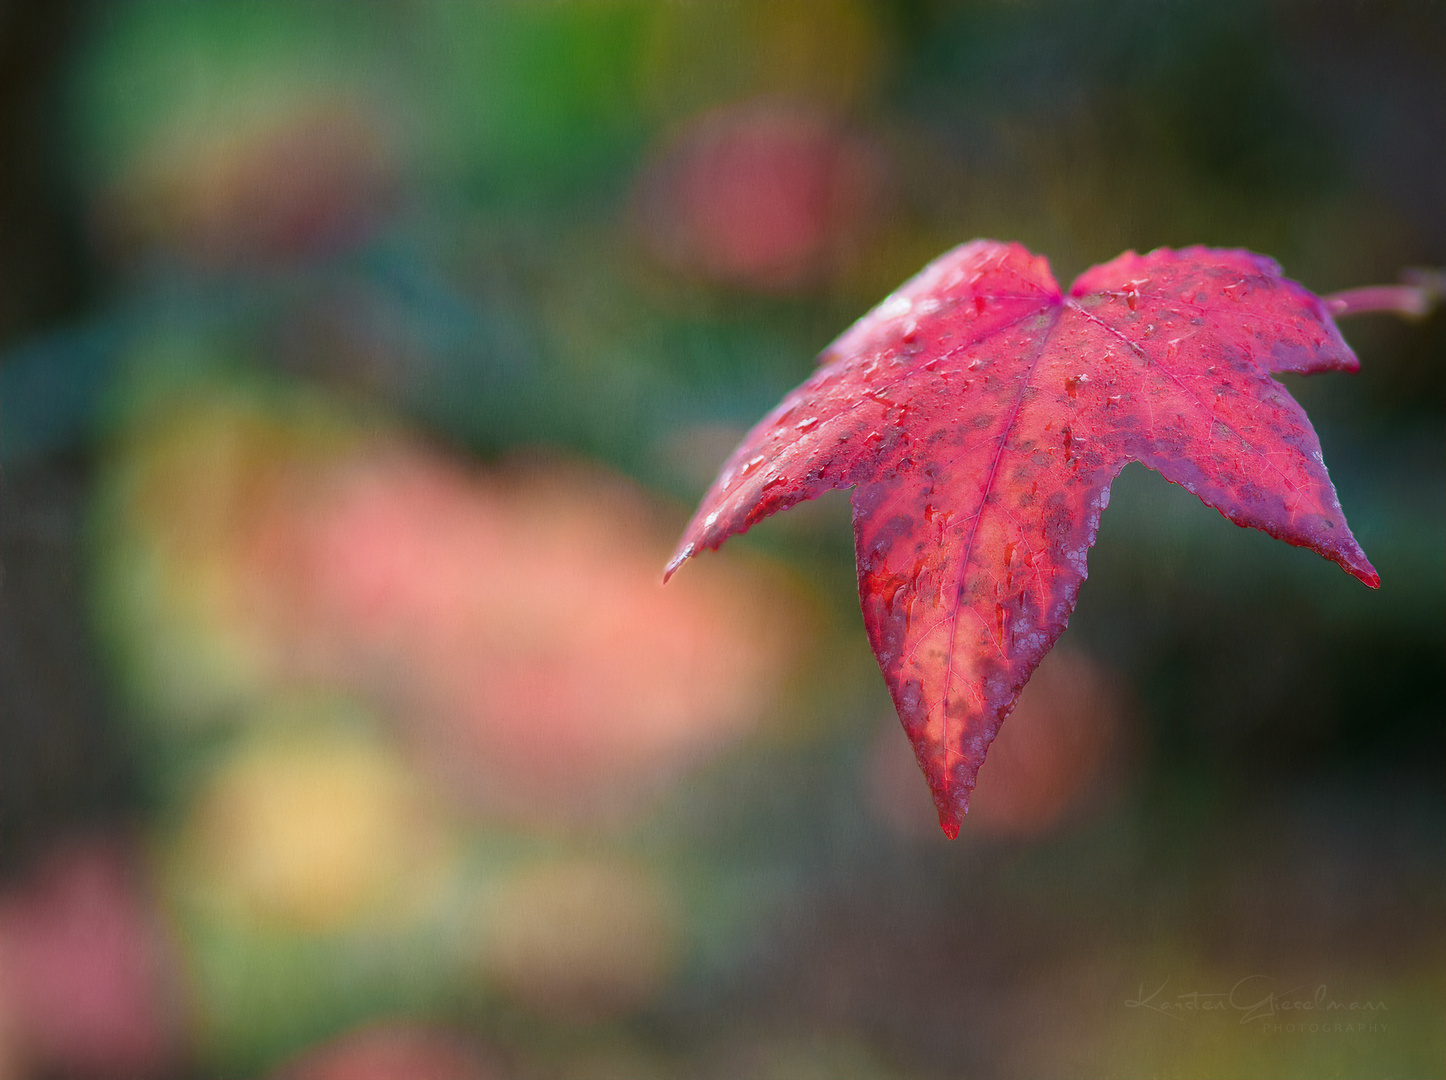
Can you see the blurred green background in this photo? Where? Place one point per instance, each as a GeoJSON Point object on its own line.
{"type": "Point", "coordinates": [359, 364]}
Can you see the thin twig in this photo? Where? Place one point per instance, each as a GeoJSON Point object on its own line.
{"type": "Point", "coordinates": [1412, 300]}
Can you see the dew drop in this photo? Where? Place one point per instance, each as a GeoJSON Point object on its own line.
{"type": "Point", "coordinates": [894, 306]}
{"type": "Point", "coordinates": [807, 424]}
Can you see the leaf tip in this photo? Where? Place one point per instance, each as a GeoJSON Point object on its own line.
{"type": "Point", "coordinates": [951, 817]}
{"type": "Point", "coordinates": [1360, 568]}
{"type": "Point", "coordinates": [681, 556]}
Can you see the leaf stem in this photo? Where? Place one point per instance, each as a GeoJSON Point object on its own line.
{"type": "Point", "coordinates": [1415, 299]}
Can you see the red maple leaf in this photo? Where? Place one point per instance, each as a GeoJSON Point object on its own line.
{"type": "Point", "coordinates": [980, 416]}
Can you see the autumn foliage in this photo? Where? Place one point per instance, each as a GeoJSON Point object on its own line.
{"type": "Point", "coordinates": [980, 415]}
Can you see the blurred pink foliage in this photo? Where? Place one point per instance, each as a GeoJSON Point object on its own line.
{"type": "Point", "coordinates": [87, 978]}
{"type": "Point", "coordinates": [515, 623]}
{"type": "Point", "coordinates": [766, 196]}
{"type": "Point", "coordinates": [510, 621]}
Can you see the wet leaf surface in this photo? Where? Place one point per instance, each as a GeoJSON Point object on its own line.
{"type": "Point", "coordinates": [980, 415]}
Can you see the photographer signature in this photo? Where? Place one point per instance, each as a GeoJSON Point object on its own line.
{"type": "Point", "coordinates": [1252, 998]}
